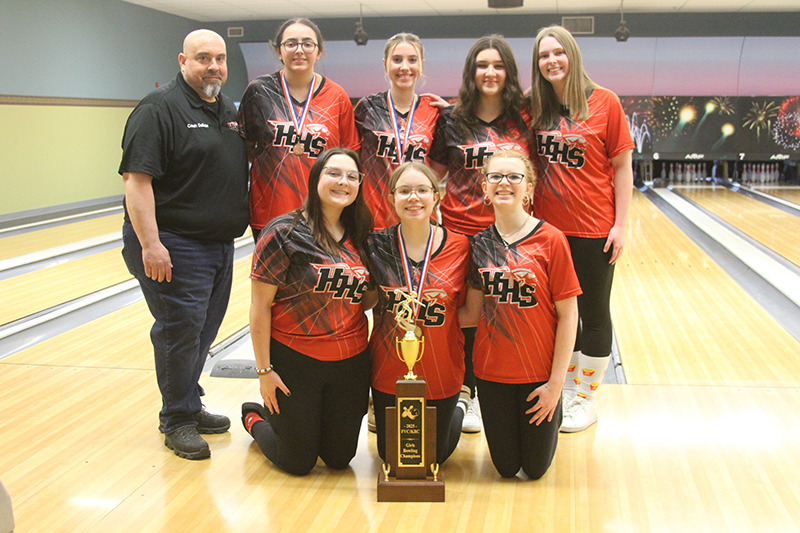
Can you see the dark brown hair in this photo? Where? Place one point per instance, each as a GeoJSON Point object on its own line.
{"type": "Point", "coordinates": [465, 110]}
{"type": "Point", "coordinates": [356, 218]}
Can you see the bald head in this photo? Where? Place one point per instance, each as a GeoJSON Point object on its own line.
{"type": "Point", "coordinates": [204, 63]}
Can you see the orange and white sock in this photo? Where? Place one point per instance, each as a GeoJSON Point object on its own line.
{"type": "Point", "coordinates": [570, 385]}
{"type": "Point", "coordinates": [590, 374]}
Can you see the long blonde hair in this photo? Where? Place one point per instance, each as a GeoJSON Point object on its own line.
{"type": "Point", "coordinates": [545, 106]}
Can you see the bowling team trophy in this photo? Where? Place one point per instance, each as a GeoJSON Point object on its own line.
{"type": "Point", "coordinates": [411, 473]}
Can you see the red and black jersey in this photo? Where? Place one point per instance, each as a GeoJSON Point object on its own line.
{"type": "Point", "coordinates": [379, 151]}
{"type": "Point", "coordinates": [317, 309]}
{"type": "Point", "coordinates": [462, 207]}
{"type": "Point", "coordinates": [515, 341]}
{"type": "Point", "coordinates": [442, 363]}
{"type": "Point", "coordinates": [278, 177]}
{"type": "Point", "coordinates": [576, 192]}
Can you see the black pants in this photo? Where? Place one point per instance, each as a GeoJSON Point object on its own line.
{"type": "Point", "coordinates": [448, 423]}
{"type": "Point", "coordinates": [513, 442]}
{"type": "Point", "coordinates": [322, 417]}
{"type": "Point", "coordinates": [469, 370]}
{"type": "Point", "coordinates": [595, 275]}
{"type": "Point", "coordinates": [256, 233]}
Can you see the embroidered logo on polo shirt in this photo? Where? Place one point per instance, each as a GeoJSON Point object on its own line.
{"type": "Point", "coordinates": [198, 125]}
{"type": "Point", "coordinates": [233, 125]}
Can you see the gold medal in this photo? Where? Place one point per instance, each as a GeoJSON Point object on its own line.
{"type": "Point", "coordinates": [297, 149]}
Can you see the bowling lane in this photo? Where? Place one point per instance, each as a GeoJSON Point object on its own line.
{"type": "Point", "coordinates": [122, 339]}
{"type": "Point", "coordinates": [35, 241]}
{"type": "Point", "coordinates": [681, 320]}
{"type": "Point", "coordinates": [775, 229]}
{"type": "Point", "coordinates": [44, 288]}
{"type": "Point", "coordinates": [784, 192]}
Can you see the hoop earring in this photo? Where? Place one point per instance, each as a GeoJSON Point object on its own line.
{"type": "Point", "coordinates": [526, 200]}
{"type": "Point", "coordinates": [486, 200]}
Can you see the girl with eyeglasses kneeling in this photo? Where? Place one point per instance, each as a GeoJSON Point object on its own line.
{"type": "Point", "coordinates": [523, 297]}
{"type": "Point", "coordinates": [308, 325]}
{"type": "Point", "coordinates": [418, 255]}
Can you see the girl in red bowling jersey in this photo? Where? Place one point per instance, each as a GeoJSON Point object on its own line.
{"type": "Point", "coordinates": [486, 119]}
{"type": "Point", "coordinates": [307, 323]}
{"type": "Point", "coordinates": [395, 125]}
{"type": "Point", "coordinates": [584, 147]}
{"type": "Point", "coordinates": [522, 292]}
{"type": "Point", "coordinates": [421, 256]}
{"type": "Point", "coordinates": [287, 119]}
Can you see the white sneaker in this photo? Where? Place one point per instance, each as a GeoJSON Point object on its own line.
{"type": "Point", "coordinates": [580, 414]}
{"type": "Point", "coordinates": [472, 417]}
{"type": "Point", "coordinates": [567, 397]}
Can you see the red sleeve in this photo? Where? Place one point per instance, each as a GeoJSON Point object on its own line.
{"type": "Point", "coordinates": [271, 256]}
{"type": "Point", "coordinates": [618, 134]}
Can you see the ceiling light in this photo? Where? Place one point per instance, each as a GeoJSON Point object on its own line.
{"type": "Point", "coordinates": [361, 36]}
{"type": "Point", "coordinates": [622, 33]}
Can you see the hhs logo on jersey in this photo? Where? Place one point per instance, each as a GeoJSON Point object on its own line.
{"type": "Point", "coordinates": [475, 155]}
{"type": "Point", "coordinates": [313, 140]}
{"type": "Point", "coordinates": [433, 302]}
{"type": "Point", "coordinates": [566, 149]}
{"type": "Point", "coordinates": [415, 151]}
{"type": "Point", "coordinates": [342, 281]}
{"type": "Point", "coordinates": [517, 286]}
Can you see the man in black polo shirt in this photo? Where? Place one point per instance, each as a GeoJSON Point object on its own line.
{"type": "Point", "coordinates": [185, 171]}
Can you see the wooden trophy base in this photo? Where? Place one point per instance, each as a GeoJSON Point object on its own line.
{"type": "Point", "coordinates": [410, 490]}
{"type": "Point", "coordinates": [410, 473]}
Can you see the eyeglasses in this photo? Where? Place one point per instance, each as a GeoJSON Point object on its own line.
{"type": "Point", "coordinates": [336, 174]}
{"type": "Point", "coordinates": [513, 178]}
{"type": "Point", "coordinates": [406, 192]}
{"type": "Point", "coordinates": [291, 46]}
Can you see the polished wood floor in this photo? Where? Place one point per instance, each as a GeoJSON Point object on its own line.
{"type": "Point", "coordinates": [681, 320]}
{"type": "Point", "coordinates": [26, 243]}
{"type": "Point", "coordinates": [704, 437]}
{"type": "Point", "coordinates": [775, 229]}
{"type": "Point", "coordinates": [86, 275]}
{"type": "Point", "coordinates": [788, 193]}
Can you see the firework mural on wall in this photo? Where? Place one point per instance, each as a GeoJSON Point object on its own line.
{"type": "Point", "coordinates": [786, 131]}
{"type": "Point", "coordinates": [639, 114]}
{"type": "Point", "coordinates": [714, 127]}
{"type": "Point", "coordinates": [760, 117]}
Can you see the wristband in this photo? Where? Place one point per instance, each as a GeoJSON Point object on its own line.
{"type": "Point", "coordinates": [264, 371]}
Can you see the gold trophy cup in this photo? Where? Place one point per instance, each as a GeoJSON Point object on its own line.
{"type": "Point", "coordinates": [412, 345]}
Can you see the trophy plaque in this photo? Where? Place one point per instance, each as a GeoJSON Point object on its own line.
{"type": "Point", "coordinates": [411, 473]}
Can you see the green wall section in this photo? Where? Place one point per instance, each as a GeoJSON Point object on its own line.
{"type": "Point", "coordinates": [54, 155]}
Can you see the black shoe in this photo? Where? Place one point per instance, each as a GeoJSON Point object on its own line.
{"type": "Point", "coordinates": [252, 407]}
{"type": "Point", "coordinates": [211, 424]}
{"type": "Point", "coordinates": [186, 442]}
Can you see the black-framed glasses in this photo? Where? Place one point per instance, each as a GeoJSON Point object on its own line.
{"type": "Point", "coordinates": [404, 192]}
{"type": "Point", "coordinates": [336, 173]}
{"type": "Point", "coordinates": [291, 46]}
{"type": "Point", "coordinates": [513, 178]}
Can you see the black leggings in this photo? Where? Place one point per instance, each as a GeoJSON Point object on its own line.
{"type": "Point", "coordinates": [469, 370]}
{"type": "Point", "coordinates": [595, 275]}
{"type": "Point", "coordinates": [513, 442]}
{"type": "Point", "coordinates": [322, 417]}
{"type": "Point", "coordinates": [256, 233]}
{"type": "Point", "coordinates": [448, 423]}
